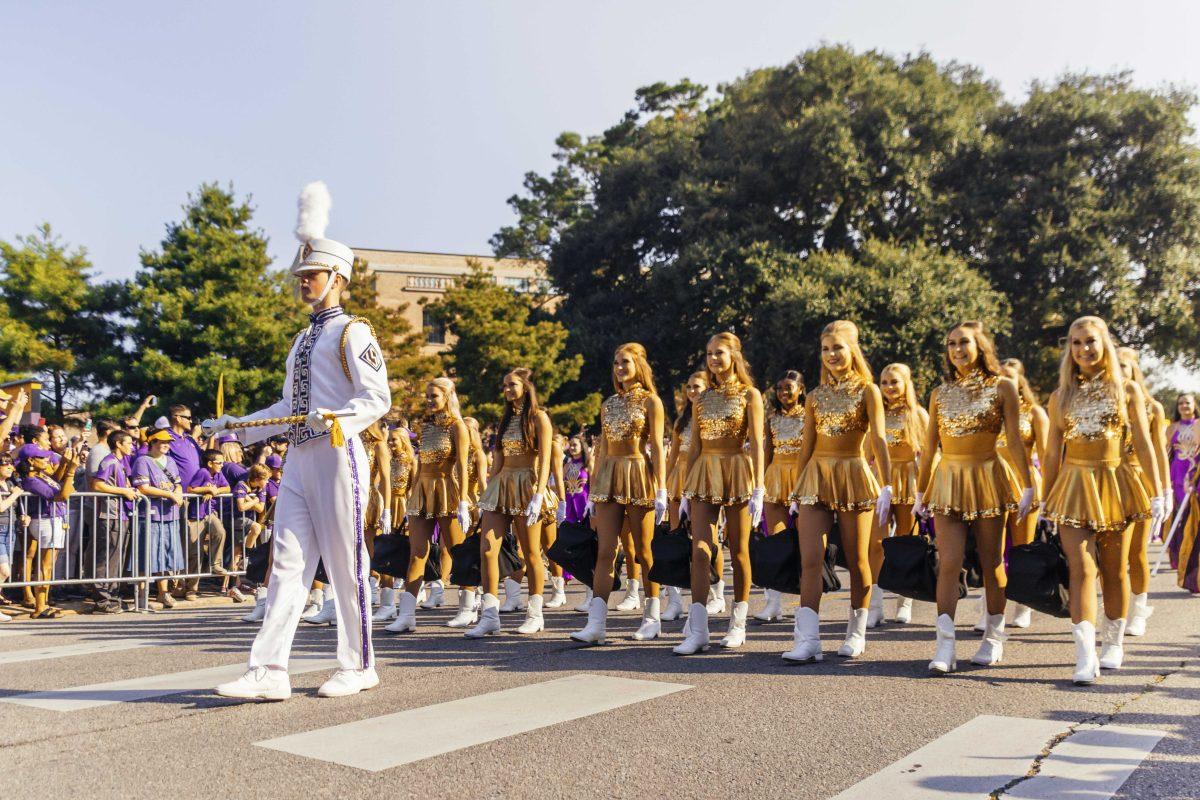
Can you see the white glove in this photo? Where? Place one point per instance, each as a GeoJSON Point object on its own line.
{"type": "Point", "coordinates": [1168, 503]}
{"type": "Point", "coordinates": [561, 514]}
{"type": "Point", "coordinates": [1158, 510]}
{"type": "Point", "coordinates": [755, 506]}
{"type": "Point", "coordinates": [589, 508]}
{"type": "Point", "coordinates": [385, 522]}
{"type": "Point", "coordinates": [794, 508]}
{"type": "Point", "coordinates": [883, 506]}
{"type": "Point", "coordinates": [1025, 503]}
{"type": "Point", "coordinates": [919, 509]}
{"type": "Point", "coordinates": [534, 512]}
{"type": "Point", "coordinates": [683, 506]}
{"type": "Point", "coordinates": [660, 506]}
{"type": "Point", "coordinates": [316, 420]}
{"type": "Point", "coordinates": [464, 515]}
{"type": "Point", "coordinates": [212, 427]}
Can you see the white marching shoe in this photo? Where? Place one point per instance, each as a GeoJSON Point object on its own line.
{"type": "Point", "coordinates": [806, 637]}
{"type": "Point", "coordinates": [736, 635]}
{"type": "Point", "coordinates": [651, 625]}
{"type": "Point", "coordinates": [696, 633]}
{"type": "Point", "coordinates": [981, 623]}
{"type": "Point", "coordinates": [346, 682]}
{"type": "Point", "coordinates": [1087, 666]}
{"type": "Point", "coordinates": [1139, 612]}
{"type": "Point", "coordinates": [674, 609]}
{"type": "Point", "coordinates": [943, 658]}
{"type": "Point", "coordinates": [875, 608]}
{"type": "Point", "coordinates": [856, 634]}
{"type": "Point", "coordinates": [991, 649]}
{"type": "Point", "coordinates": [631, 601]}
{"type": "Point", "coordinates": [1112, 651]}
{"type": "Point", "coordinates": [437, 595]}
{"type": "Point", "coordinates": [594, 631]}
{"type": "Point", "coordinates": [533, 616]}
{"type": "Point", "coordinates": [586, 603]}
{"type": "Point", "coordinates": [328, 613]}
{"type": "Point", "coordinates": [558, 597]}
{"type": "Point", "coordinates": [387, 606]}
{"type": "Point", "coordinates": [467, 615]}
{"type": "Point", "coordinates": [772, 610]}
{"type": "Point", "coordinates": [903, 610]}
{"type": "Point", "coordinates": [260, 606]}
{"type": "Point", "coordinates": [716, 599]}
{"type": "Point", "coordinates": [513, 601]}
{"type": "Point", "coordinates": [1022, 616]}
{"type": "Point", "coordinates": [313, 606]}
{"type": "Point", "coordinates": [259, 683]}
{"type": "Point", "coordinates": [489, 618]}
{"type": "Point", "coordinates": [406, 615]}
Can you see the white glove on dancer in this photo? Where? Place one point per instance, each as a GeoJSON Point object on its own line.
{"type": "Point", "coordinates": [561, 514]}
{"type": "Point", "coordinates": [794, 508]}
{"type": "Point", "coordinates": [683, 507]}
{"type": "Point", "coordinates": [660, 506]}
{"type": "Point", "coordinates": [919, 508]}
{"type": "Point", "coordinates": [464, 515]}
{"type": "Point", "coordinates": [385, 522]}
{"type": "Point", "coordinates": [211, 427]}
{"type": "Point", "coordinates": [534, 511]}
{"type": "Point", "coordinates": [1025, 503]}
{"type": "Point", "coordinates": [1158, 510]}
{"type": "Point", "coordinates": [316, 420]}
{"type": "Point", "coordinates": [589, 508]}
{"type": "Point", "coordinates": [755, 506]}
{"type": "Point", "coordinates": [883, 506]}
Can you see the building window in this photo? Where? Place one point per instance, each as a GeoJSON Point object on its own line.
{"type": "Point", "coordinates": [434, 332]}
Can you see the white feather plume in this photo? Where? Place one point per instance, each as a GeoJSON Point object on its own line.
{"type": "Point", "coordinates": [313, 215]}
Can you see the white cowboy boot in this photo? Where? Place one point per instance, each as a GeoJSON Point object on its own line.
{"type": "Point", "coordinates": [513, 601]}
{"type": "Point", "coordinates": [373, 582]}
{"type": "Point", "coordinates": [1087, 666]}
{"type": "Point", "coordinates": [716, 599]}
{"type": "Point", "coordinates": [773, 609]}
{"type": "Point", "coordinates": [489, 618]}
{"type": "Point", "coordinates": [697, 632]}
{"type": "Point", "coordinates": [856, 634]}
{"type": "Point", "coordinates": [467, 615]}
{"type": "Point", "coordinates": [1112, 651]}
{"type": "Point", "coordinates": [735, 637]}
{"type": "Point", "coordinates": [387, 608]}
{"type": "Point", "coordinates": [406, 615]}
{"type": "Point", "coordinates": [674, 609]}
{"type": "Point", "coordinates": [1022, 616]}
{"type": "Point", "coordinates": [991, 649]}
{"type": "Point", "coordinates": [651, 621]}
{"type": "Point", "coordinates": [981, 623]}
{"type": "Point", "coordinates": [806, 637]}
{"type": "Point", "coordinates": [1139, 612]}
{"type": "Point", "coordinates": [437, 595]}
{"type": "Point", "coordinates": [631, 601]}
{"type": "Point", "coordinates": [903, 610]}
{"type": "Point", "coordinates": [533, 616]}
{"type": "Point", "coordinates": [558, 598]}
{"type": "Point", "coordinates": [594, 631]}
{"type": "Point", "coordinates": [943, 658]}
{"type": "Point", "coordinates": [328, 613]}
{"type": "Point", "coordinates": [586, 603]}
{"type": "Point", "coordinates": [875, 608]}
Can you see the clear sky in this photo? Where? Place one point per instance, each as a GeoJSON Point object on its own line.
{"type": "Point", "coordinates": [422, 117]}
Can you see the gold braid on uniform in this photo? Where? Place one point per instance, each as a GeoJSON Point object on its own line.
{"type": "Point", "coordinates": [346, 338]}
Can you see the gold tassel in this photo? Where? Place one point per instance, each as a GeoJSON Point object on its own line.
{"type": "Point", "coordinates": [336, 437]}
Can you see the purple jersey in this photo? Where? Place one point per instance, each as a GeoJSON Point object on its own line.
{"type": "Point", "coordinates": [148, 472]}
{"type": "Point", "coordinates": [186, 454]}
{"type": "Point", "coordinates": [199, 509]}
{"type": "Point", "coordinates": [113, 472]}
{"type": "Point", "coordinates": [42, 491]}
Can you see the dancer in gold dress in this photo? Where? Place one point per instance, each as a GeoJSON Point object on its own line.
{"type": "Point", "coordinates": [783, 438]}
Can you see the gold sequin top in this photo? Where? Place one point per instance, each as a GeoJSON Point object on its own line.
{"type": "Point", "coordinates": [435, 442]}
{"type": "Point", "coordinates": [623, 416]}
{"type": "Point", "coordinates": [472, 469]}
{"type": "Point", "coordinates": [787, 430]}
{"type": "Point", "coordinates": [840, 407]}
{"type": "Point", "coordinates": [369, 447]}
{"type": "Point", "coordinates": [721, 412]}
{"type": "Point", "coordinates": [1093, 413]}
{"type": "Point", "coordinates": [401, 472]}
{"type": "Point", "coordinates": [512, 441]}
{"type": "Point", "coordinates": [893, 426]}
{"type": "Point", "coordinates": [685, 437]}
{"type": "Point", "coordinates": [969, 405]}
{"type": "Point", "coordinates": [1026, 423]}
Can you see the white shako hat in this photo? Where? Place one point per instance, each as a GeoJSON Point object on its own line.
{"type": "Point", "coordinates": [316, 252]}
{"type": "Point", "coordinates": [324, 254]}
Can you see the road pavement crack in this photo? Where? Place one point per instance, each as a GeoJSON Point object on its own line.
{"type": "Point", "coordinates": [1092, 722]}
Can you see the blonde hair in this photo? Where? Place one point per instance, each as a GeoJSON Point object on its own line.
{"type": "Point", "coordinates": [914, 428]}
{"type": "Point", "coordinates": [1127, 355]}
{"type": "Point", "coordinates": [685, 414]}
{"type": "Point", "coordinates": [642, 372]}
{"type": "Point", "coordinates": [1068, 370]}
{"type": "Point", "coordinates": [858, 362]}
{"type": "Point", "coordinates": [447, 386]}
{"type": "Point", "coordinates": [986, 360]}
{"type": "Point", "coordinates": [741, 369]}
{"type": "Point", "coordinates": [1023, 386]}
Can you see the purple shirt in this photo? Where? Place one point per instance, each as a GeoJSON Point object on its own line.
{"type": "Point", "coordinates": [202, 508]}
{"type": "Point", "coordinates": [186, 454]}
{"type": "Point", "coordinates": [113, 472]}
{"type": "Point", "coordinates": [272, 490]}
{"type": "Point", "coordinates": [148, 472]}
{"type": "Point", "coordinates": [234, 473]}
{"type": "Point", "coordinates": [244, 489]}
{"type": "Point", "coordinates": [42, 490]}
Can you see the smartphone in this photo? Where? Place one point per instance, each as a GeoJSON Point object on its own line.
{"type": "Point", "coordinates": [87, 426]}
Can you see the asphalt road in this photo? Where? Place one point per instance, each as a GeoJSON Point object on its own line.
{"type": "Point", "coordinates": [750, 725]}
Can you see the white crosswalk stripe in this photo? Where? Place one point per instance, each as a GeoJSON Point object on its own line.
{"type": "Point", "coordinates": [85, 648]}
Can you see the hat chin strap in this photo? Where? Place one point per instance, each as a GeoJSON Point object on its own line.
{"type": "Point", "coordinates": [333, 275]}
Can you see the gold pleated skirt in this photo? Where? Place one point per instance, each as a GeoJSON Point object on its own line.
{"type": "Point", "coordinates": [903, 479]}
{"type": "Point", "coordinates": [1102, 496]}
{"type": "Point", "coordinates": [549, 507]}
{"type": "Point", "coordinates": [676, 478]}
{"type": "Point", "coordinates": [509, 491]}
{"type": "Point", "coordinates": [622, 479]}
{"type": "Point", "coordinates": [780, 477]}
{"type": "Point", "coordinates": [972, 487]}
{"type": "Point", "coordinates": [837, 482]}
{"type": "Point", "coordinates": [722, 479]}
{"type": "Point", "coordinates": [433, 495]}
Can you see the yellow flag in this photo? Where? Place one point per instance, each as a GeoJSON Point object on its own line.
{"type": "Point", "coordinates": [221, 394]}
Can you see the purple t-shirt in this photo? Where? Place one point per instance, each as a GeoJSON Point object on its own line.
{"type": "Point", "coordinates": [243, 490]}
{"type": "Point", "coordinates": [186, 454]}
{"type": "Point", "coordinates": [41, 503]}
{"type": "Point", "coordinates": [272, 490]}
{"type": "Point", "coordinates": [148, 472]}
{"type": "Point", "coordinates": [234, 472]}
{"type": "Point", "coordinates": [202, 508]}
{"type": "Point", "coordinates": [112, 471]}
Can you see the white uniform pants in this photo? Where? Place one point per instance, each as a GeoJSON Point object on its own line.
{"type": "Point", "coordinates": [319, 515]}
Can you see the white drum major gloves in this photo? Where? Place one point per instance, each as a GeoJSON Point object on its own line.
{"type": "Point", "coordinates": [755, 506]}
{"type": "Point", "coordinates": [211, 427]}
{"type": "Point", "coordinates": [1025, 503]}
{"type": "Point", "coordinates": [534, 512]}
{"type": "Point", "coordinates": [317, 421]}
{"type": "Point", "coordinates": [660, 506]}
{"type": "Point", "coordinates": [883, 506]}
{"type": "Point", "coordinates": [1158, 510]}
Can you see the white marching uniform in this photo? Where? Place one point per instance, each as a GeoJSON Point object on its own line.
{"type": "Point", "coordinates": [335, 364]}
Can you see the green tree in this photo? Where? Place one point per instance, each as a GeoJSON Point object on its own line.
{"type": "Point", "coordinates": [408, 369]}
{"type": "Point", "coordinates": [498, 329]}
{"type": "Point", "coordinates": [208, 303]}
{"type": "Point", "coordinates": [53, 319]}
